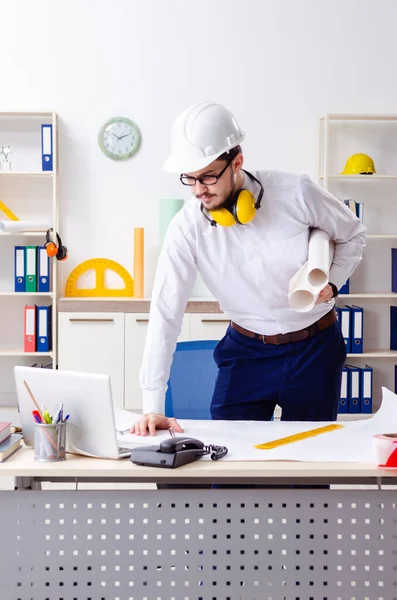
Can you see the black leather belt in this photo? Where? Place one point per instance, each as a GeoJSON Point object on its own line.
{"type": "Point", "coordinates": [293, 336]}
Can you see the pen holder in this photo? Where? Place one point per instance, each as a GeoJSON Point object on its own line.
{"type": "Point", "coordinates": [49, 442]}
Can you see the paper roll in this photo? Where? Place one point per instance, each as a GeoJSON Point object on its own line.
{"type": "Point", "coordinates": [16, 226]}
{"type": "Point", "coordinates": [384, 446]}
{"type": "Point", "coordinates": [168, 209]}
{"type": "Point", "coordinates": [138, 262]}
{"type": "Point", "coordinates": [319, 259]}
{"type": "Point", "coordinates": [306, 285]}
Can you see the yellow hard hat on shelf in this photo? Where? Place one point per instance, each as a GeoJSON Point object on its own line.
{"type": "Point", "coordinates": [359, 164]}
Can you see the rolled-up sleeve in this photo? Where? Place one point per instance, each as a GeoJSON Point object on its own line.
{"type": "Point", "coordinates": [326, 212]}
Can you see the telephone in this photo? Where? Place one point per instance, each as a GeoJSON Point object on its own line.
{"type": "Point", "coordinates": [174, 452]}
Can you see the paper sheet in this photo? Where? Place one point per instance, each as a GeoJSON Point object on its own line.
{"type": "Point", "coordinates": [352, 443]}
{"type": "Point", "coordinates": [306, 285]}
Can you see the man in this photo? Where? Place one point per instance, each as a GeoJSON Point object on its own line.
{"type": "Point", "coordinates": [247, 234]}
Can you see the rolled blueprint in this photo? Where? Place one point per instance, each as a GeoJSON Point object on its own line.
{"type": "Point", "coordinates": [16, 226]}
{"type": "Point", "coordinates": [312, 277]}
{"type": "Point", "coordinates": [168, 209]}
{"type": "Point", "coordinates": [319, 259]}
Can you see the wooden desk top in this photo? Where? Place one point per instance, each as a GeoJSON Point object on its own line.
{"type": "Point", "coordinates": [22, 464]}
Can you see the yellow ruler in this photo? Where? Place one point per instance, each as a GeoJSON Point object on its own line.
{"type": "Point", "coordinates": [99, 266]}
{"type": "Point", "coordinates": [8, 213]}
{"type": "Point", "coordinates": [296, 437]}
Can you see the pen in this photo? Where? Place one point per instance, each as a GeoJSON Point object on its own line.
{"type": "Point", "coordinates": [171, 432]}
{"type": "Point", "coordinates": [36, 416]}
{"type": "Point", "coordinates": [65, 420]}
{"type": "Point", "coordinates": [58, 416]}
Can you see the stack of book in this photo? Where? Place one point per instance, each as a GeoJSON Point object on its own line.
{"type": "Point", "coordinates": [9, 442]}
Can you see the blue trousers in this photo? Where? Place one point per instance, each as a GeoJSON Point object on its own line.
{"type": "Point", "coordinates": [303, 378]}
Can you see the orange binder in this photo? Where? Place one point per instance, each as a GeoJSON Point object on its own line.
{"type": "Point", "coordinates": [30, 329]}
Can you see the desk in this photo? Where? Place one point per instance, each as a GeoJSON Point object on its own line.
{"type": "Point", "coordinates": [237, 544]}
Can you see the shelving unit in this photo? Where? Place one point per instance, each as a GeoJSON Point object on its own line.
{"type": "Point", "coordinates": [340, 136]}
{"type": "Point", "coordinates": [30, 193]}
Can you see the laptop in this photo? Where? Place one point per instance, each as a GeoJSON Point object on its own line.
{"type": "Point", "coordinates": [86, 397]}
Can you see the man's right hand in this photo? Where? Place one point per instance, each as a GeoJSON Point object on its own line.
{"type": "Point", "coordinates": [153, 421]}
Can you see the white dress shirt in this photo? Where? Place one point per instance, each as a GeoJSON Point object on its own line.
{"type": "Point", "coordinates": [247, 268]}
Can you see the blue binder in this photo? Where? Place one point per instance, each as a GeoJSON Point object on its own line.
{"type": "Point", "coordinates": [344, 396]}
{"type": "Point", "coordinates": [357, 329]}
{"type": "Point", "coordinates": [360, 211]}
{"type": "Point", "coordinates": [394, 270]}
{"type": "Point", "coordinates": [393, 328]}
{"type": "Point", "coordinates": [43, 270]}
{"type": "Point", "coordinates": [343, 313]}
{"type": "Point", "coordinates": [19, 269]}
{"type": "Point", "coordinates": [46, 147]}
{"type": "Point", "coordinates": [366, 388]}
{"type": "Point", "coordinates": [353, 386]}
{"type": "Point", "coordinates": [43, 328]}
{"type": "Point", "coordinates": [345, 289]}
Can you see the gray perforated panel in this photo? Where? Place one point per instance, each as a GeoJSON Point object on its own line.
{"type": "Point", "coordinates": [199, 545]}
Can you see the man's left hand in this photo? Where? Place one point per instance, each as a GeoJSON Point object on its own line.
{"type": "Point", "coordinates": [325, 295]}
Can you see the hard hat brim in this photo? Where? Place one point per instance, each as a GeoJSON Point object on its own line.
{"type": "Point", "coordinates": [179, 166]}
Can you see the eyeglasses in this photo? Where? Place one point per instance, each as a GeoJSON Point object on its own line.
{"type": "Point", "coordinates": [205, 179]}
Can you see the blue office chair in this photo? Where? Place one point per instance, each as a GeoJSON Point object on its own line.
{"type": "Point", "coordinates": [192, 380]}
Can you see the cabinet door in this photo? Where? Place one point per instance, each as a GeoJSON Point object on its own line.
{"type": "Point", "coordinates": [94, 343]}
{"type": "Point", "coordinates": [135, 336]}
{"type": "Point", "coordinates": [208, 326]}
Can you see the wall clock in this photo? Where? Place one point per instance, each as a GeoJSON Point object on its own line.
{"type": "Point", "coordinates": [119, 138]}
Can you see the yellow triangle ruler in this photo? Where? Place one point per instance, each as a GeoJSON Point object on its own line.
{"type": "Point", "coordinates": [8, 213]}
{"type": "Point", "coordinates": [99, 266]}
{"type": "Point", "coordinates": [296, 437]}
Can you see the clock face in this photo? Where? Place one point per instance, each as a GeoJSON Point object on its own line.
{"type": "Point", "coordinates": [119, 138]}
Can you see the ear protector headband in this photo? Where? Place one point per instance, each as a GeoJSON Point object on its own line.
{"type": "Point", "coordinates": [56, 249]}
{"type": "Point", "coordinates": [241, 210]}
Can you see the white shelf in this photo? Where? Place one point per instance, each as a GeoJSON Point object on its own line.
{"type": "Point", "coordinates": [375, 354]}
{"type": "Point", "coordinates": [24, 113]}
{"type": "Point", "coordinates": [354, 416]}
{"type": "Point", "coordinates": [23, 233]}
{"type": "Point", "coordinates": [23, 353]}
{"type": "Point", "coordinates": [26, 173]}
{"type": "Point", "coordinates": [382, 236]}
{"type": "Point", "coordinates": [361, 177]}
{"type": "Point", "coordinates": [369, 295]}
{"type": "Point", "coordinates": [359, 117]}
{"type": "Point", "coordinates": [50, 294]}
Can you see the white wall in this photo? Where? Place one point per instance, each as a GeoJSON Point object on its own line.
{"type": "Point", "coordinates": [277, 64]}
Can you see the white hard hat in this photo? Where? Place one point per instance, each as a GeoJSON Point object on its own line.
{"type": "Point", "coordinates": [201, 134]}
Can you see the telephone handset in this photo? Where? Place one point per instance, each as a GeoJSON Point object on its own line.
{"type": "Point", "coordinates": [178, 444]}
{"type": "Point", "coordinates": [175, 452]}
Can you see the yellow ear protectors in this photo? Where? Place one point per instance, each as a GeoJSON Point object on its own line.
{"type": "Point", "coordinates": [241, 210]}
{"type": "Point", "coordinates": [55, 249]}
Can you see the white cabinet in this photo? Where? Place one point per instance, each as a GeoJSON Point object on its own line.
{"type": "Point", "coordinates": [94, 343]}
{"type": "Point", "coordinates": [208, 326]}
{"type": "Point", "coordinates": [113, 343]}
{"type": "Point", "coordinates": [135, 335]}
